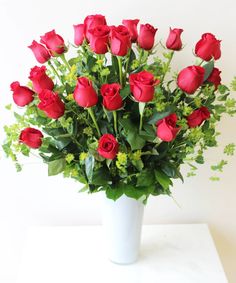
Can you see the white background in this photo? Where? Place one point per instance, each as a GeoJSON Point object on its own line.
{"type": "Point", "coordinates": [31, 198]}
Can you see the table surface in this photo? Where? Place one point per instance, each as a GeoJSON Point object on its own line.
{"type": "Point", "coordinates": [182, 253]}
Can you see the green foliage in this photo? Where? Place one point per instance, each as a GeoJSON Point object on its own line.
{"type": "Point", "coordinates": [145, 165]}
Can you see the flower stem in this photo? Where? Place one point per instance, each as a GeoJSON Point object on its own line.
{"type": "Point", "coordinates": [63, 58]}
{"type": "Point", "coordinates": [115, 121]}
{"type": "Point", "coordinates": [91, 113]}
{"type": "Point", "coordinates": [141, 111]}
{"type": "Point", "coordinates": [120, 70]}
{"type": "Point", "coordinates": [141, 56]}
{"type": "Point", "coordinates": [167, 66]}
{"type": "Point", "coordinates": [55, 71]}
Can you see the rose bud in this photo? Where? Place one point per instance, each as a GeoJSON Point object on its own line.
{"type": "Point", "coordinates": [190, 78]}
{"type": "Point", "coordinates": [79, 34]}
{"type": "Point", "coordinates": [146, 36]}
{"type": "Point", "coordinates": [99, 39]}
{"type": "Point", "coordinates": [31, 137]}
{"type": "Point", "coordinates": [91, 22]}
{"type": "Point", "coordinates": [174, 41]}
{"type": "Point", "coordinates": [215, 78]}
{"type": "Point", "coordinates": [84, 94]}
{"type": "Point", "coordinates": [40, 79]}
{"type": "Point", "coordinates": [40, 52]}
{"type": "Point", "coordinates": [108, 146]}
{"type": "Point", "coordinates": [166, 128]}
{"type": "Point", "coordinates": [112, 99]}
{"type": "Point", "coordinates": [51, 104]}
{"type": "Point", "coordinates": [132, 28]}
{"type": "Point", "coordinates": [120, 40]}
{"type": "Point", "coordinates": [142, 86]}
{"type": "Point", "coordinates": [54, 43]}
{"type": "Point", "coordinates": [22, 95]}
{"type": "Point", "coordinates": [198, 116]}
{"type": "Point", "coordinates": [208, 47]}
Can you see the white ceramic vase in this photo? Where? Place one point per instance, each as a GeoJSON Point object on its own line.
{"type": "Point", "coordinates": [122, 223]}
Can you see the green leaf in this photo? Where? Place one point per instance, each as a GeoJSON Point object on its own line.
{"type": "Point", "coordinates": [56, 166]}
{"type": "Point", "coordinates": [62, 143]}
{"type": "Point", "coordinates": [132, 134]}
{"type": "Point", "coordinates": [135, 192]}
{"type": "Point", "coordinates": [101, 177]}
{"type": "Point", "coordinates": [135, 140]}
{"type": "Point", "coordinates": [208, 69]}
{"type": "Point", "coordinates": [91, 61]}
{"type": "Point", "coordinates": [146, 178]}
{"type": "Point", "coordinates": [160, 115]}
{"type": "Point", "coordinates": [114, 192]}
{"type": "Point", "coordinates": [124, 92]}
{"type": "Point", "coordinates": [89, 165]}
{"type": "Point", "coordinates": [162, 179]}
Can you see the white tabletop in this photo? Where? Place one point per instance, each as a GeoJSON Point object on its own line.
{"type": "Point", "coordinates": [169, 254]}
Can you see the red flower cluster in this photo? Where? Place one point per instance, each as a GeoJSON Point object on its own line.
{"type": "Point", "coordinates": [118, 40]}
{"type": "Point", "coordinates": [99, 35]}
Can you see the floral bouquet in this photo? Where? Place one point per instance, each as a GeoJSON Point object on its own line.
{"type": "Point", "coordinates": [109, 117]}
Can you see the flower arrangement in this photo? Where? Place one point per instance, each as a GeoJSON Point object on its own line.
{"type": "Point", "coordinates": [109, 118]}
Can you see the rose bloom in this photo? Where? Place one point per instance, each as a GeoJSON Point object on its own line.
{"type": "Point", "coordinates": [173, 41]}
{"type": "Point", "coordinates": [191, 78]}
{"type": "Point", "coordinates": [146, 36]}
{"type": "Point", "coordinates": [40, 79]}
{"type": "Point", "coordinates": [198, 116]}
{"type": "Point", "coordinates": [40, 52]}
{"type": "Point", "coordinates": [91, 22]}
{"type": "Point", "coordinates": [108, 146]}
{"type": "Point", "coordinates": [54, 43]}
{"type": "Point", "coordinates": [84, 94]}
{"type": "Point", "coordinates": [131, 25]}
{"type": "Point", "coordinates": [112, 99]}
{"type": "Point", "coordinates": [22, 95]}
{"type": "Point", "coordinates": [51, 104]}
{"type": "Point", "coordinates": [166, 128]}
{"type": "Point", "coordinates": [31, 137]}
{"type": "Point", "coordinates": [215, 78]}
{"type": "Point", "coordinates": [142, 86]}
{"type": "Point", "coordinates": [79, 35]}
{"type": "Point", "coordinates": [120, 40]}
{"type": "Point", "coordinates": [208, 47]}
{"type": "Point", "coordinates": [99, 39]}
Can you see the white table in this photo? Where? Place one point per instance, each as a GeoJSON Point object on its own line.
{"type": "Point", "coordinates": [169, 254]}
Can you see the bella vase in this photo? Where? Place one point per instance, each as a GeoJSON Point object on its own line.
{"type": "Point", "coordinates": [122, 223]}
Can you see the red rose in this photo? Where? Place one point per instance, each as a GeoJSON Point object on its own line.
{"type": "Point", "coordinates": [132, 28]}
{"type": "Point", "coordinates": [214, 77]}
{"type": "Point", "coordinates": [166, 128]}
{"type": "Point", "coordinates": [40, 79]}
{"type": "Point", "coordinates": [78, 34]}
{"type": "Point", "coordinates": [191, 78]}
{"type": "Point", "coordinates": [146, 36]}
{"type": "Point", "coordinates": [51, 104]}
{"type": "Point", "coordinates": [207, 47]}
{"type": "Point", "coordinates": [31, 137]}
{"type": "Point", "coordinates": [99, 39]}
{"type": "Point", "coordinates": [112, 99]}
{"type": "Point", "coordinates": [120, 40]}
{"type": "Point", "coordinates": [108, 146]}
{"type": "Point", "coordinates": [198, 116]}
{"type": "Point", "coordinates": [142, 86]}
{"type": "Point", "coordinates": [174, 41]}
{"type": "Point", "coordinates": [54, 43]}
{"type": "Point", "coordinates": [84, 94]}
{"type": "Point", "coordinates": [22, 95]}
{"type": "Point", "coordinates": [40, 52]}
{"type": "Point", "coordinates": [91, 22]}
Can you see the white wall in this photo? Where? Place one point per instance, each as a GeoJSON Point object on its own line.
{"type": "Point", "coordinates": [31, 198]}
